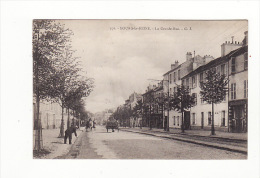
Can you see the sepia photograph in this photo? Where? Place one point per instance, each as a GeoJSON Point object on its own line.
{"type": "Point", "coordinates": [140, 89]}
{"type": "Point", "coordinates": [130, 89]}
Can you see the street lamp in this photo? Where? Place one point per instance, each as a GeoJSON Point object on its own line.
{"type": "Point", "coordinates": [168, 107]}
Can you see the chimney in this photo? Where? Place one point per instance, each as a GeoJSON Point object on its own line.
{"type": "Point", "coordinates": [188, 56]}
{"type": "Point", "coordinates": [208, 58]}
{"type": "Point", "coordinates": [176, 63]}
{"type": "Point", "coordinates": [245, 41]}
{"type": "Point", "coordinates": [227, 47]}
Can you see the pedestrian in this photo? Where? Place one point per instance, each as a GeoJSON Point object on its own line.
{"type": "Point", "coordinates": [90, 124]}
{"type": "Point", "coordinates": [68, 134]}
{"type": "Point", "coordinates": [94, 124]}
{"type": "Point", "coordinates": [87, 125]}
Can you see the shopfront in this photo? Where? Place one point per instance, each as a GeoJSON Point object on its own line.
{"type": "Point", "coordinates": [238, 111]}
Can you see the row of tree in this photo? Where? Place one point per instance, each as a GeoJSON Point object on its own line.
{"type": "Point", "coordinates": [57, 75]}
{"type": "Point", "coordinates": [213, 91]}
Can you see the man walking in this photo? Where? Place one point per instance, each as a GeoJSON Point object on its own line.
{"type": "Point", "coordinates": [68, 133]}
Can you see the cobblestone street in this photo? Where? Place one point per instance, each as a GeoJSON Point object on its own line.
{"type": "Point", "coordinates": [98, 144]}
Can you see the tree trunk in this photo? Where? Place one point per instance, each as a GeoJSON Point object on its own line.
{"type": "Point", "coordinates": [182, 116]}
{"type": "Point", "coordinates": [38, 140]}
{"type": "Point", "coordinates": [62, 123]}
{"type": "Point", "coordinates": [212, 122]}
{"type": "Point", "coordinates": [38, 136]}
{"type": "Point", "coordinates": [68, 121]}
{"type": "Point", "coordinates": [150, 124]}
{"type": "Point", "coordinates": [182, 121]}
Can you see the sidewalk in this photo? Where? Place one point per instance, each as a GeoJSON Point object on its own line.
{"type": "Point", "coordinates": [203, 133]}
{"type": "Point", "coordinates": [55, 145]}
{"type": "Point", "coordinates": [236, 142]}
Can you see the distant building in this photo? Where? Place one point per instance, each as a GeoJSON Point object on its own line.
{"type": "Point", "coordinates": [131, 102]}
{"type": "Point", "coordinates": [153, 110]}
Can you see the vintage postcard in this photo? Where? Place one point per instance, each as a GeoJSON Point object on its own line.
{"type": "Point", "coordinates": [140, 89]}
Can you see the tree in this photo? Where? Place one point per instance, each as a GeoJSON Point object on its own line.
{"type": "Point", "coordinates": [162, 101]}
{"type": "Point", "coordinates": [149, 100]}
{"type": "Point", "coordinates": [77, 89]}
{"type": "Point", "coordinates": [213, 90]}
{"type": "Point", "coordinates": [181, 101]}
{"type": "Point", "coordinates": [137, 110]}
{"type": "Point", "coordinates": [47, 39]}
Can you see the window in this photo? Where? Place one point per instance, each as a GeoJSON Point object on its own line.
{"type": "Point", "coordinates": [223, 123]}
{"type": "Point", "coordinates": [246, 61]}
{"type": "Point", "coordinates": [170, 78]}
{"type": "Point", "coordinates": [194, 81]}
{"type": "Point", "coordinates": [178, 120]}
{"type": "Point", "coordinates": [233, 64]}
{"type": "Point", "coordinates": [179, 74]}
{"type": "Point", "coordinates": [195, 98]}
{"type": "Point", "coordinates": [201, 76]}
{"type": "Point", "coordinates": [245, 88]}
{"type": "Point", "coordinates": [201, 100]}
{"type": "Point", "coordinates": [209, 118]}
{"type": "Point", "coordinates": [182, 82]}
{"type": "Point", "coordinates": [174, 89]}
{"type": "Point", "coordinates": [173, 120]}
{"type": "Point", "coordinates": [170, 91]}
{"type": "Point", "coordinates": [193, 118]}
{"type": "Point", "coordinates": [187, 83]}
{"type": "Point", "coordinates": [218, 70]}
{"type": "Point", "coordinates": [223, 71]}
{"type": "Point", "coordinates": [233, 91]}
{"type": "Point", "coordinates": [174, 77]}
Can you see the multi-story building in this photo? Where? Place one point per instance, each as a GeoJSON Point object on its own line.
{"type": "Point", "coordinates": [50, 115]}
{"type": "Point", "coordinates": [238, 88]}
{"type": "Point", "coordinates": [172, 79]}
{"type": "Point", "coordinates": [130, 103]}
{"type": "Point", "coordinates": [148, 99]}
{"type": "Point", "coordinates": [157, 107]}
{"type": "Point", "coordinates": [133, 99]}
{"type": "Point", "coordinates": [232, 111]}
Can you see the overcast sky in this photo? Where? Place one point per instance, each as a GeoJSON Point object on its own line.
{"type": "Point", "coordinates": [122, 61]}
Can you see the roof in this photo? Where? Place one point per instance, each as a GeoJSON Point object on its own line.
{"type": "Point", "coordinates": [172, 69]}
{"type": "Point", "coordinates": [153, 90]}
{"type": "Point", "coordinates": [218, 61]}
{"type": "Point", "coordinates": [238, 51]}
{"type": "Point", "coordinates": [147, 92]}
{"type": "Point", "coordinates": [158, 88]}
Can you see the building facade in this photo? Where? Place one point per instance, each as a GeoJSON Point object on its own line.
{"type": "Point", "coordinates": [173, 79]}
{"type": "Point", "coordinates": [50, 115]}
{"type": "Point", "coordinates": [238, 88]}
{"type": "Point", "coordinates": [231, 113]}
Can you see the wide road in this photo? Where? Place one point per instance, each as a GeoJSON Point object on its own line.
{"type": "Point", "coordinates": [98, 144]}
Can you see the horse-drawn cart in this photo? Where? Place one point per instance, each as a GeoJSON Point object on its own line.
{"type": "Point", "coordinates": [112, 125]}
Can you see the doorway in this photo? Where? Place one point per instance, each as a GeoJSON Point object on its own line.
{"type": "Point", "coordinates": [202, 120]}
{"type": "Point", "coordinates": [186, 120]}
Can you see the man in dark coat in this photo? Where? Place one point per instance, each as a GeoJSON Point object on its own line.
{"type": "Point", "coordinates": [68, 133]}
